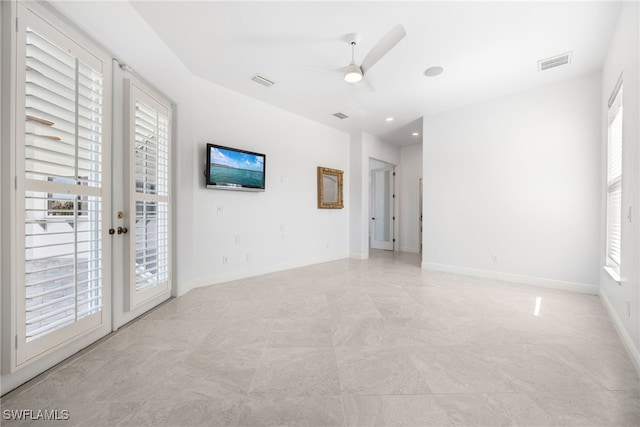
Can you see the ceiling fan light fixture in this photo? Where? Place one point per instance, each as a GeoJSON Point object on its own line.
{"type": "Point", "coordinates": [353, 74]}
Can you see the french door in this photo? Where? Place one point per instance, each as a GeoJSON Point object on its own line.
{"type": "Point", "coordinates": [92, 246]}
{"type": "Point", "coordinates": [147, 197]}
{"type": "Point", "coordinates": [62, 184]}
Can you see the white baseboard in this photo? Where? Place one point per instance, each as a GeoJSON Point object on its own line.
{"type": "Point", "coordinates": [358, 255]}
{"type": "Point", "coordinates": [527, 280]}
{"type": "Point", "coordinates": [409, 249]}
{"type": "Point", "coordinates": [633, 352]}
{"type": "Point", "coordinates": [244, 274]}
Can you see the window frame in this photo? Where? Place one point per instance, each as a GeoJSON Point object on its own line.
{"type": "Point", "coordinates": [614, 184]}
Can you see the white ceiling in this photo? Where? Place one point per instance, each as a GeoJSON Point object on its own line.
{"type": "Point", "coordinates": [487, 49]}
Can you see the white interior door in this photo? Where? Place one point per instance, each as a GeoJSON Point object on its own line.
{"type": "Point", "coordinates": [420, 214]}
{"type": "Point", "coordinates": [382, 208]}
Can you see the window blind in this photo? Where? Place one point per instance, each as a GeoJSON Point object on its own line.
{"type": "Point", "coordinates": [151, 172]}
{"type": "Point", "coordinates": [149, 193]}
{"type": "Point", "coordinates": [62, 181]}
{"type": "Point", "coordinates": [614, 179]}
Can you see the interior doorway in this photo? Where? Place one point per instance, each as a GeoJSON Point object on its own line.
{"type": "Point", "coordinates": [420, 215]}
{"type": "Point", "coordinates": [382, 206]}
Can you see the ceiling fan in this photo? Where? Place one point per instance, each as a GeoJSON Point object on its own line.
{"type": "Point", "coordinates": [354, 73]}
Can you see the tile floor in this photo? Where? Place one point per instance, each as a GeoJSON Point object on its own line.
{"type": "Point", "coordinates": [355, 343]}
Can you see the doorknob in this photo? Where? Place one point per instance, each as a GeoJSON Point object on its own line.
{"type": "Point", "coordinates": [122, 230]}
{"type": "Point", "coordinates": [373, 219]}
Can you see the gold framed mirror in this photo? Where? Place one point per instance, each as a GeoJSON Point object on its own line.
{"type": "Point", "coordinates": [329, 188]}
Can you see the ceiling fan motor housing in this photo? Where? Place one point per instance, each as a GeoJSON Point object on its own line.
{"type": "Point", "coordinates": [353, 72]}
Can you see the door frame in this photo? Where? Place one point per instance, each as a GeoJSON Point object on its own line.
{"type": "Point", "coordinates": [376, 166]}
{"type": "Point", "coordinates": [121, 312]}
{"type": "Point", "coordinates": [420, 213]}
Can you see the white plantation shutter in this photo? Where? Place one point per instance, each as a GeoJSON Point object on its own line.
{"type": "Point", "coordinates": [59, 168]}
{"type": "Point", "coordinates": [614, 179]}
{"type": "Point", "coordinates": [149, 196]}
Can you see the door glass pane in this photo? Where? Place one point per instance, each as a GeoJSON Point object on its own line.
{"type": "Point", "coordinates": [146, 233]}
{"type": "Point", "coordinates": [62, 165]}
{"type": "Point", "coordinates": [382, 203]}
{"type": "Point", "coordinates": [151, 174]}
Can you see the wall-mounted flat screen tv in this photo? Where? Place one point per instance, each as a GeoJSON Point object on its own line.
{"type": "Point", "coordinates": [234, 169]}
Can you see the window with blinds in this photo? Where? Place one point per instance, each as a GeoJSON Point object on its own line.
{"type": "Point", "coordinates": [60, 183]}
{"type": "Point", "coordinates": [614, 179]}
{"type": "Point", "coordinates": [149, 148]}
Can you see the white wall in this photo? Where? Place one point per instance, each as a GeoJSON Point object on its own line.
{"type": "Point", "coordinates": [281, 227]}
{"type": "Point", "coordinates": [411, 161]}
{"type": "Point", "coordinates": [294, 148]}
{"type": "Point", "coordinates": [517, 178]}
{"type": "Point", "coordinates": [357, 189]}
{"type": "Point", "coordinates": [623, 57]}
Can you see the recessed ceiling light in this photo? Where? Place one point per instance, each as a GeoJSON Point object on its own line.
{"type": "Point", "coordinates": [388, 119]}
{"type": "Point", "coordinates": [415, 134]}
{"type": "Point", "coordinates": [433, 71]}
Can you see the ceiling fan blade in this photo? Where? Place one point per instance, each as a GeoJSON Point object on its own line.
{"type": "Point", "coordinates": [385, 44]}
{"type": "Point", "coordinates": [343, 69]}
{"type": "Point", "coordinates": [365, 85]}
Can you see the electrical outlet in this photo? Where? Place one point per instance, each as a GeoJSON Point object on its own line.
{"type": "Point", "coordinates": [225, 259]}
{"type": "Point", "coordinates": [494, 259]}
{"type": "Point", "coordinates": [237, 239]}
{"type": "Point", "coordinates": [248, 257]}
{"type": "Point", "coordinates": [219, 210]}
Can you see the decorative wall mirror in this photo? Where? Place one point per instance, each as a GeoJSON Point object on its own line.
{"type": "Point", "coordinates": [329, 188]}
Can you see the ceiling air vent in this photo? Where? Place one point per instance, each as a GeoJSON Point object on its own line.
{"type": "Point", "coordinates": [341, 116]}
{"type": "Point", "coordinates": [555, 61]}
{"type": "Point", "coordinates": [262, 80]}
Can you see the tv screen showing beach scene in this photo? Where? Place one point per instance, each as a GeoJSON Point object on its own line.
{"type": "Point", "coordinates": [235, 169]}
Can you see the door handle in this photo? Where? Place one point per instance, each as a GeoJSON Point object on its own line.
{"type": "Point", "coordinates": [122, 230]}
